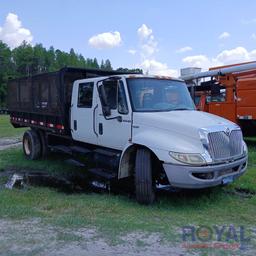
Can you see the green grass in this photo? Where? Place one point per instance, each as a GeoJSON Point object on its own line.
{"type": "Point", "coordinates": [53, 164]}
{"type": "Point", "coordinates": [7, 130]}
{"type": "Point", "coordinates": [116, 214]}
{"type": "Point", "coordinates": [248, 181]}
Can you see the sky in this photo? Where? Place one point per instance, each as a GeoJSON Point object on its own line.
{"type": "Point", "coordinates": [158, 36]}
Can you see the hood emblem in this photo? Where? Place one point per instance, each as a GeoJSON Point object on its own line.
{"type": "Point", "coordinates": [227, 131]}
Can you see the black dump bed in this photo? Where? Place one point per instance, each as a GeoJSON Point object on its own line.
{"type": "Point", "coordinates": [43, 100]}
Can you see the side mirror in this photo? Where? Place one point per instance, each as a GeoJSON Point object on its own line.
{"type": "Point", "coordinates": [105, 107]}
{"type": "Point", "coordinates": [102, 94]}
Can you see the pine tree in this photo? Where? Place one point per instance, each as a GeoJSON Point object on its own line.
{"type": "Point", "coordinates": [108, 65]}
{"type": "Point", "coordinates": [5, 71]}
{"type": "Point", "coordinates": [26, 60]}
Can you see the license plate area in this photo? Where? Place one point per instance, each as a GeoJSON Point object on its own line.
{"type": "Point", "coordinates": [227, 180]}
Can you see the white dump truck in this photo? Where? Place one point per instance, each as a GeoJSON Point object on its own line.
{"type": "Point", "coordinates": [128, 126]}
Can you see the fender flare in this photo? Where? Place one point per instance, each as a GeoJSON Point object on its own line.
{"type": "Point", "coordinates": [126, 160]}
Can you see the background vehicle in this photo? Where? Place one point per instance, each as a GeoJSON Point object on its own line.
{"type": "Point", "coordinates": [230, 93]}
{"type": "Point", "coordinates": [128, 127]}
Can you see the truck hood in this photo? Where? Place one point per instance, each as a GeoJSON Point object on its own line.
{"type": "Point", "coordinates": [176, 130]}
{"type": "Point", "coordinates": [187, 122]}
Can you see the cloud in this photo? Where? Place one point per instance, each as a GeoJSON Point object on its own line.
{"type": "Point", "coordinates": [184, 49]}
{"type": "Point", "coordinates": [200, 61]}
{"type": "Point", "coordinates": [157, 68]}
{"type": "Point", "coordinates": [132, 51]}
{"type": "Point", "coordinates": [224, 35]}
{"type": "Point", "coordinates": [238, 54]}
{"type": "Point", "coordinates": [13, 33]}
{"type": "Point", "coordinates": [144, 32]}
{"type": "Point", "coordinates": [105, 40]}
{"type": "Point", "coordinates": [252, 55]}
{"type": "Point", "coordinates": [147, 44]}
{"type": "Point", "coordinates": [148, 48]}
{"type": "Point", "coordinates": [232, 56]}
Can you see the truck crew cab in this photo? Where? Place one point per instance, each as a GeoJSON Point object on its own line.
{"type": "Point", "coordinates": [130, 126]}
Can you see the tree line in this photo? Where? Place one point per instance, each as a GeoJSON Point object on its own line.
{"type": "Point", "coordinates": [26, 60]}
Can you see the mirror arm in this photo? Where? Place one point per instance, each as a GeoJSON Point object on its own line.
{"type": "Point", "coordinates": [118, 118]}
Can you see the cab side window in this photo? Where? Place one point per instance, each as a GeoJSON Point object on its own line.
{"type": "Point", "coordinates": [85, 95]}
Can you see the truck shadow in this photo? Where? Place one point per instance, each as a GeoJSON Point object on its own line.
{"type": "Point", "coordinates": [80, 181]}
{"type": "Point", "coordinates": [25, 179]}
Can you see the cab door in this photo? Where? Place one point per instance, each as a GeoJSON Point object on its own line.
{"type": "Point", "coordinates": [114, 115]}
{"type": "Point", "coordinates": [83, 118]}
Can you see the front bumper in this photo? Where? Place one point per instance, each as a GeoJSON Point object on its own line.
{"type": "Point", "coordinates": [184, 176]}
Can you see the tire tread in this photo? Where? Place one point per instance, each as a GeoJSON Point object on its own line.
{"type": "Point", "coordinates": [145, 193]}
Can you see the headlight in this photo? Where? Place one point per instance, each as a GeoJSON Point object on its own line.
{"type": "Point", "coordinates": [245, 149]}
{"type": "Point", "coordinates": [194, 159]}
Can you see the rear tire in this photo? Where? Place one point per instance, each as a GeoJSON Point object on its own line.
{"type": "Point", "coordinates": [144, 185]}
{"type": "Point", "coordinates": [31, 145]}
{"type": "Point", "coordinates": [44, 144]}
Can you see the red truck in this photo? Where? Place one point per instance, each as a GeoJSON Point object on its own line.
{"type": "Point", "coordinates": [230, 92]}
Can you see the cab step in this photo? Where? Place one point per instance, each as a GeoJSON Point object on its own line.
{"type": "Point", "coordinates": [110, 153]}
{"type": "Point", "coordinates": [74, 162]}
{"type": "Point", "coordinates": [62, 149]}
{"type": "Point", "coordinates": [103, 173]}
{"type": "Point", "coordinates": [81, 150]}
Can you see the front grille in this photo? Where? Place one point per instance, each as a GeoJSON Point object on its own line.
{"type": "Point", "coordinates": [224, 146]}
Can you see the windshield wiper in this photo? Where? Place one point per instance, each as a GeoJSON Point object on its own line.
{"type": "Point", "coordinates": [182, 109]}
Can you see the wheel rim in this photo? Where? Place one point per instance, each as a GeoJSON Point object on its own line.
{"type": "Point", "coordinates": [27, 146]}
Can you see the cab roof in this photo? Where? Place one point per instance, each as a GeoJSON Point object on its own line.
{"type": "Point", "coordinates": [151, 76]}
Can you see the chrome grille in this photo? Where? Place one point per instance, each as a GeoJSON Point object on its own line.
{"type": "Point", "coordinates": [225, 146]}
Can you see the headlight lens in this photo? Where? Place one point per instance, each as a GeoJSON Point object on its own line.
{"type": "Point", "coordinates": [194, 159]}
{"type": "Point", "coordinates": [245, 149]}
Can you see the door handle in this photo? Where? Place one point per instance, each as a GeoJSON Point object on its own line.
{"type": "Point", "coordinates": [75, 125]}
{"type": "Point", "coordinates": [100, 128]}
{"type": "Point", "coordinates": [94, 120]}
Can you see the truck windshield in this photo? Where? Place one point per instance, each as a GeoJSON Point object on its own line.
{"type": "Point", "coordinates": [150, 94]}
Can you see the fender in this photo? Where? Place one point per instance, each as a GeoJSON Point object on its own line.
{"type": "Point", "coordinates": [127, 159]}
{"type": "Point", "coordinates": [158, 141]}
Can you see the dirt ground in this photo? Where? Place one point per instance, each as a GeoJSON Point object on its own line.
{"type": "Point", "coordinates": [9, 143]}
{"type": "Point", "coordinates": [33, 238]}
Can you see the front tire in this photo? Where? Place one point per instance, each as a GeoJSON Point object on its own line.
{"type": "Point", "coordinates": [144, 185]}
{"type": "Point", "coordinates": [31, 145]}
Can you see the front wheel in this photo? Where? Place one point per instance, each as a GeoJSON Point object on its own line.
{"type": "Point", "coordinates": [144, 184]}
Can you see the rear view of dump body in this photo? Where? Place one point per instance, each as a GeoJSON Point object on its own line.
{"type": "Point", "coordinates": [43, 101]}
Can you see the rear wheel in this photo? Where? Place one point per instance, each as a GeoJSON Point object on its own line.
{"type": "Point", "coordinates": [145, 187]}
{"type": "Point", "coordinates": [44, 144]}
{"type": "Point", "coordinates": [31, 145]}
